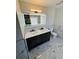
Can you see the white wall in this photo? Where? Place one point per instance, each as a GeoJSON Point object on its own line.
{"type": "Point", "coordinates": [20, 17]}
{"type": "Point", "coordinates": [58, 21]}
{"type": "Point", "coordinates": [55, 19]}
{"type": "Point", "coordinates": [50, 14]}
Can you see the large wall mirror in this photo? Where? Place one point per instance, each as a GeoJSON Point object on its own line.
{"type": "Point", "coordinates": [35, 19]}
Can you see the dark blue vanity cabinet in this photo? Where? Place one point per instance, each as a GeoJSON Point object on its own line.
{"type": "Point", "coordinates": [37, 40]}
{"type": "Point", "coordinates": [21, 47]}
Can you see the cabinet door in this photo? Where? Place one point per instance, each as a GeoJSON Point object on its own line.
{"type": "Point", "coordinates": [32, 42]}
{"type": "Point", "coordinates": [44, 37]}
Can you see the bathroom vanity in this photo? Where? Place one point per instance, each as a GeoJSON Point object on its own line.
{"type": "Point", "coordinates": [37, 37]}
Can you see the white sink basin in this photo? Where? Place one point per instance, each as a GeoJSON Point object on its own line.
{"type": "Point", "coordinates": [35, 33]}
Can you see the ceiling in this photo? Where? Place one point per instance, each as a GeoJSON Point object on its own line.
{"type": "Point", "coordinates": [45, 3]}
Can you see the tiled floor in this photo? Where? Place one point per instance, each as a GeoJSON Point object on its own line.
{"type": "Point", "coordinates": [43, 47]}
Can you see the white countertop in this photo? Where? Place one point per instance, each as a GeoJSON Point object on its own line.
{"type": "Point", "coordinates": [44, 47]}
{"type": "Point", "coordinates": [35, 33]}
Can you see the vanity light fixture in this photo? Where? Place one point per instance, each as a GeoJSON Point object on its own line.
{"type": "Point", "coordinates": [36, 11]}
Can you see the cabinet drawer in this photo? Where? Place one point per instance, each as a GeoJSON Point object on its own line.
{"type": "Point", "coordinates": [20, 46]}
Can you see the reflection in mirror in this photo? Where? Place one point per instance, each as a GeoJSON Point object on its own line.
{"type": "Point", "coordinates": [35, 19]}
{"type": "Point", "coordinates": [27, 19]}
